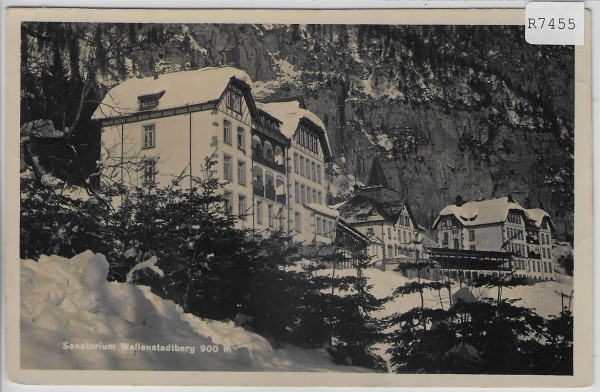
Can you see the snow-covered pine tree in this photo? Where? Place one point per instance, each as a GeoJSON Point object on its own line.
{"type": "Point", "coordinates": [355, 330]}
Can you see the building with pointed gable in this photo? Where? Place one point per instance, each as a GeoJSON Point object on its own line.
{"type": "Point", "coordinates": [500, 225]}
{"type": "Point", "coordinates": [158, 131]}
{"type": "Point", "coordinates": [379, 212]}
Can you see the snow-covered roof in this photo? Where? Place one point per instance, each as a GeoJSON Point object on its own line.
{"type": "Point", "coordinates": [361, 207]}
{"type": "Point", "coordinates": [323, 210]}
{"type": "Point", "coordinates": [180, 89]}
{"type": "Point", "coordinates": [537, 215]}
{"type": "Point", "coordinates": [481, 212]}
{"type": "Point", "coordinates": [290, 113]}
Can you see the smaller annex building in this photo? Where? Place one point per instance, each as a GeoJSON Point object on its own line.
{"type": "Point", "coordinates": [500, 225]}
{"type": "Point", "coordinates": [378, 212]}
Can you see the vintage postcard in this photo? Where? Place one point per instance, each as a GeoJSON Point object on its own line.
{"type": "Point", "coordinates": [296, 198]}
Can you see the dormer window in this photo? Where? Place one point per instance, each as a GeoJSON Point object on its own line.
{"type": "Point", "coordinates": [149, 101]}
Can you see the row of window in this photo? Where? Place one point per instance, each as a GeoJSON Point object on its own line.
{"type": "Point", "coordinates": [240, 138]}
{"type": "Point", "coordinates": [514, 217]}
{"type": "Point", "coordinates": [404, 221]}
{"type": "Point", "coordinates": [307, 139]}
{"type": "Point", "coordinates": [515, 234]}
{"type": "Point", "coordinates": [306, 168]}
{"type": "Point", "coordinates": [518, 249]}
{"type": "Point", "coordinates": [547, 267]}
{"type": "Point", "coordinates": [545, 239]}
{"type": "Point", "coordinates": [234, 99]}
{"type": "Point", "coordinates": [305, 194]}
{"type": "Point", "coordinates": [242, 207]}
{"type": "Point", "coordinates": [325, 227]}
{"type": "Point", "coordinates": [447, 223]}
{"type": "Point", "coordinates": [445, 239]}
{"type": "Point", "coordinates": [275, 216]}
{"type": "Point", "coordinates": [228, 169]}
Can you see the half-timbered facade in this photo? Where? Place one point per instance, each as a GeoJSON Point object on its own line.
{"type": "Point", "coordinates": [378, 212]}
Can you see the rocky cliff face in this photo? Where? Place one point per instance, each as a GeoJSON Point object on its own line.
{"type": "Point", "coordinates": [470, 111]}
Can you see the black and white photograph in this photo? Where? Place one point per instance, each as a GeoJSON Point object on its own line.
{"type": "Point", "coordinates": [373, 198]}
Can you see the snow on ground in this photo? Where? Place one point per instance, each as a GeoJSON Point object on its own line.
{"type": "Point", "coordinates": [542, 297]}
{"type": "Point", "coordinates": [72, 318]}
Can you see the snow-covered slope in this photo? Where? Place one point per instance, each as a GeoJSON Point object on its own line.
{"type": "Point", "coordinates": [72, 318]}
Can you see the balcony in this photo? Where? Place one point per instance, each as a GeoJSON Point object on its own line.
{"type": "Point", "coordinates": [281, 198]}
{"type": "Point", "coordinates": [270, 193]}
{"type": "Point", "coordinates": [258, 188]}
{"type": "Point", "coordinates": [256, 157]}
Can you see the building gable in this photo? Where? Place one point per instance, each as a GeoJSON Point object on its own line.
{"type": "Point", "coordinates": [237, 102]}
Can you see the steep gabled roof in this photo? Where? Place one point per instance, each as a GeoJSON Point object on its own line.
{"type": "Point", "coordinates": [537, 215]}
{"type": "Point", "coordinates": [180, 89]}
{"type": "Point", "coordinates": [377, 175]}
{"type": "Point", "coordinates": [291, 114]}
{"type": "Point", "coordinates": [361, 207]}
{"type": "Point", "coordinates": [483, 212]}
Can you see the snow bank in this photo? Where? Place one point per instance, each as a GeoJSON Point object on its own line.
{"type": "Point", "coordinates": [72, 318]}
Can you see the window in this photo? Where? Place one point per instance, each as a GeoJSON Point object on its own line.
{"type": "Point", "coordinates": [319, 197]}
{"type": "Point", "coordinates": [545, 267]}
{"type": "Point", "coordinates": [544, 252]}
{"type": "Point", "coordinates": [302, 194]}
{"type": "Point", "coordinates": [242, 207]}
{"type": "Point", "coordinates": [297, 192]}
{"type": "Point", "coordinates": [234, 100]}
{"type": "Point", "coordinates": [445, 238]}
{"type": "Point", "coordinates": [319, 226]}
{"type": "Point", "coordinates": [296, 162]}
{"type": "Point", "coordinates": [471, 235]}
{"type": "Point", "coordinates": [297, 222]}
{"type": "Point", "coordinates": [302, 166]}
{"type": "Point", "coordinates": [319, 174]}
{"type": "Point", "coordinates": [472, 247]}
{"type": "Point", "coordinates": [314, 195]}
{"type": "Point", "coordinates": [456, 244]}
{"type": "Point", "coordinates": [227, 132]}
{"type": "Point", "coordinates": [149, 136]}
{"type": "Point", "coordinates": [370, 231]}
{"type": "Point", "coordinates": [241, 140]}
{"type": "Point", "coordinates": [313, 168]}
{"type": "Point", "coordinates": [227, 170]}
{"type": "Point", "coordinates": [228, 202]}
{"type": "Point", "coordinates": [149, 175]}
{"type": "Point", "coordinates": [307, 168]}
{"type": "Point", "coordinates": [550, 267]}
{"type": "Point", "coordinates": [259, 219]}
{"type": "Point", "coordinates": [404, 236]}
{"type": "Point", "coordinates": [241, 172]}
{"type": "Point", "coordinates": [271, 216]}
{"type": "Point", "coordinates": [148, 103]}
{"type": "Point", "coordinates": [389, 233]}
{"type": "Point", "coordinates": [280, 217]}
